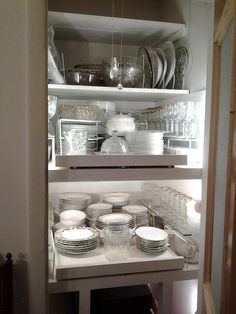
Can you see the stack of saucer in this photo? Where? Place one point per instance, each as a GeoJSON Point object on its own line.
{"type": "Point", "coordinates": [151, 240]}
{"type": "Point", "coordinates": [96, 210]}
{"type": "Point", "coordinates": [74, 200]}
{"type": "Point", "coordinates": [76, 241]}
{"type": "Point", "coordinates": [139, 212]}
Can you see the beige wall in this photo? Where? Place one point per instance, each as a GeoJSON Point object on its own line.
{"type": "Point", "coordinates": [23, 148]}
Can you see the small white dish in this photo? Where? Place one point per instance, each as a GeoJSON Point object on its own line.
{"type": "Point", "coordinates": [117, 199]}
{"type": "Point", "coordinates": [72, 215]}
{"type": "Point", "coordinates": [151, 233]}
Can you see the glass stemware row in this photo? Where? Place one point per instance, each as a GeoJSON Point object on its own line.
{"type": "Point", "coordinates": [182, 119]}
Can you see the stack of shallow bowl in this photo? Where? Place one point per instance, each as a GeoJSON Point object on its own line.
{"type": "Point", "coordinates": [139, 212]}
{"type": "Point", "coordinates": [74, 200]}
{"type": "Point", "coordinates": [151, 240]}
{"type": "Point", "coordinates": [76, 241]}
{"type": "Point", "coordinates": [115, 219]}
{"type": "Point", "coordinates": [96, 210]}
{"type": "Point", "coordinates": [145, 142]}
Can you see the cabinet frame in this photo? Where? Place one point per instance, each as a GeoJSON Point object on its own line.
{"type": "Point", "coordinates": [224, 16]}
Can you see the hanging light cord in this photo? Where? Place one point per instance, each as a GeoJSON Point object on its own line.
{"type": "Point", "coordinates": [112, 33]}
{"type": "Point", "coordinates": [121, 32]}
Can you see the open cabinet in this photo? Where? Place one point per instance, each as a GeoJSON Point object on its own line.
{"type": "Point", "coordinates": [100, 173]}
{"type": "Point", "coordinates": [25, 174]}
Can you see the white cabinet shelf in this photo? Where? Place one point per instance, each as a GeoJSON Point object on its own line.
{"type": "Point", "coordinates": [112, 93]}
{"type": "Point", "coordinates": [126, 160]}
{"type": "Point", "coordinates": [123, 174]}
{"type": "Point", "coordinates": [93, 28]}
{"type": "Point", "coordinates": [94, 264]}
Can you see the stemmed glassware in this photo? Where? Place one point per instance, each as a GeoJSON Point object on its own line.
{"type": "Point", "coordinates": [52, 106]}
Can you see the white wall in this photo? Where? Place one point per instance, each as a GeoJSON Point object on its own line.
{"type": "Point", "coordinates": [23, 149]}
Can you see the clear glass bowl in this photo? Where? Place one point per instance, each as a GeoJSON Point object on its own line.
{"type": "Point", "coordinates": [129, 74]}
{"type": "Point", "coordinates": [114, 145]}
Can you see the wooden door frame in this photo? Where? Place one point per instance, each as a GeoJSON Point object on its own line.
{"type": "Point", "coordinates": [223, 20]}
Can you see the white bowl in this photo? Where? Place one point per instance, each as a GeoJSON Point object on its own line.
{"type": "Point", "coordinates": [117, 199]}
{"type": "Point", "coordinates": [97, 209]}
{"type": "Point", "coordinates": [99, 206]}
{"type": "Point", "coordinates": [72, 215]}
{"type": "Point", "coordinates": [135, 209]}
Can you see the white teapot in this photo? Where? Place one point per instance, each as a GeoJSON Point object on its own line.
{"type": "Point", "coordinates": [122, 123]}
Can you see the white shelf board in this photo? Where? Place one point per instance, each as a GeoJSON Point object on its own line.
{"type": "Point", "coordinates": [112, 93]}
{"type": "Point", "coordinates": [126, 160]}
{"type": "Point", "coordinates": [57, 174]}
{"type": "Point", "coordinates": [94, 28]}
{"type": "Point", "coordinates": [94, 264]}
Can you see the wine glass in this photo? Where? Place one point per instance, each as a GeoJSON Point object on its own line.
{"type": "Point", "coordinates": [52, 106]}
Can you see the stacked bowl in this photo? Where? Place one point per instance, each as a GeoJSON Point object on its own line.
{"type": "Point", "coordinates": [95, 210]}
{"type": "Point", "coordinates": [139, 212]}
{"type": "Point", "coordinates": [115, 219]}
{"type": "Point", "coordinates": [74, 200]}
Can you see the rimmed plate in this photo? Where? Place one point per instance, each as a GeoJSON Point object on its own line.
{"type": "Point", "coordinates": [73, 197]}
{"type": "Point", "coordinates": [149, 251]}
{"type": "Point", "coordinates": [157, 67]}
{"type": "Point", "coordinates": [151, 233]}
{"type": "Point", "coordinates": [76, 234]}
{"type": "Point", "coordinates": [169, 50]}
{"type": "Point", "coordinates": [147, 67]}
{"type": "Point", "coordinates": [162, 58]}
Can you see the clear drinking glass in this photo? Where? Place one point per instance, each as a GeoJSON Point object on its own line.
{"type": "Point", "coordinates": [75, 142]}
{"type": "Point", "coordinates": [117, 242]}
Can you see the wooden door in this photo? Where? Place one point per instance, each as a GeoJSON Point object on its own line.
{"type": "Point", "coordinates": [219, 284]}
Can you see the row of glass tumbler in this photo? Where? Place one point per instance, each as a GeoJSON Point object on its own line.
{"type": "Point", "coordinates": [169, 202]}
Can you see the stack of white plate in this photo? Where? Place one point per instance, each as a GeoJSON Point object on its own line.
{"type": "Point", "coordinates": [96, 210]}
{"type": "Point", "coordinates": [151, 240]}
{"type": "Point", "coordinates": [116, 198]}
{"type": "Point", "coordinates": [139, 212]}
{"type": "Point", "coordinates": [145, 142]}
{"type": "Point", "coordinates": [74, 200]}
{"type": "Point", "coordinates": [115, 219]}
{"type": "Point", "coordinates": [76, 241]}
